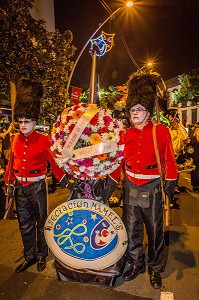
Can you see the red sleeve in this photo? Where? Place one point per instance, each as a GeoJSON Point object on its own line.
{"type": "Point", "coordinates": [58, 172]}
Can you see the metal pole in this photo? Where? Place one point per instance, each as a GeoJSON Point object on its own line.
{"type": "Point", "coordinates": [80, 54]}
{"type": "Point", "coordinates": [93, 80]}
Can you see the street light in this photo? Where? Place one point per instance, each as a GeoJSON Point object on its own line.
{"type": "Point", "coordinates": [147, 65]}
{"type": "Point", "coordinates": [128, 4]}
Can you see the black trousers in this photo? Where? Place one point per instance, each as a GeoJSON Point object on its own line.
{"type": "Point", "coordinates": [31, 205]}
{"type": "Point", "coordinates": [195, 176]}
{"type": "Point", "coordinates": [136, 213]}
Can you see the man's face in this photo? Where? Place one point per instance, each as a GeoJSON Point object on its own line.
{"type": "Point", "coordinates": [139, 115]}
{"type": "Point", "coordinates": [26, 126]}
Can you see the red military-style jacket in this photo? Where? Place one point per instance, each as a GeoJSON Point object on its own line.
{"type": "Point", "coordinates": [30, 156]}
{"type": "Point", "coordinates": [140, 156]}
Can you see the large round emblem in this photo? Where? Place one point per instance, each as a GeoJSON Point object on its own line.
{"type": "Point", "coordinates": [83, 233]}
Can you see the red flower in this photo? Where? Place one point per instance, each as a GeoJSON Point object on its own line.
{"type": "Point", "coordinates": [94, 121]}
{"type": "Point", "coordinates": [70, 128]}
{"type": "Point", "coordinates": [68, 118]}
{"type": "Point", "coordinates": [103, 130]}
{"type": "Point", "coordinates": [76, 107]}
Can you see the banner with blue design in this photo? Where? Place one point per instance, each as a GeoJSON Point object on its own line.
{"type": "Point", "coordinates": [83, 233]}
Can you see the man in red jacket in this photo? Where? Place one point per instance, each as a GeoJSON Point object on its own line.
{"type": "Point", "coordinates": [142, 190]}
{"type": "Point", "coordinates": [26, 171]}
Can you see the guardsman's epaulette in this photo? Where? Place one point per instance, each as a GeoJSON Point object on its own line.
{"type": "Point", "coordinates": [42, 132]}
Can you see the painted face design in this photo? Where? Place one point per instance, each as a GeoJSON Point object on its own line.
{"type": "Point", "coordinates": [138, 114]}
{"type": "Point", "coordinates": [26, 126]}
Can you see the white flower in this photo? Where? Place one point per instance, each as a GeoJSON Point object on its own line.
{"type": "Point", "coordinates": [111, 126]}
{"type": "Point", "coordinates": [121, 147]}
{"type": "Point", "coordinates": [82, 168]}
{"type": "Point", "coordinates": [94, 128]}
{"type": "Point", "coordinates": [85, 137]}
{"type": "Point", "coordinates": [100, 168]}
{"type": "Point", "coordinates": [107, 163]}
{"type": "Point", "coordinates": [113, 154]}
{"type": "Point", "coordinates": [104, 137]}
{"type": "Point", "coordinates": [109, 112]}
{"type": "Point", "coordinates": [96, 161]}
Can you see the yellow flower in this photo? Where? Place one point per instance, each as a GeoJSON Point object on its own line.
{"type": "Point", "coordinates": [95, 138]}
{"type": "Point", "coordinates": [111, 136]}
{"type": "Point", "coordinates": [53, 130]}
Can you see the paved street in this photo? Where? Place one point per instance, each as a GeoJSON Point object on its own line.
{"type": "Point", "coordinates": [180, 278]}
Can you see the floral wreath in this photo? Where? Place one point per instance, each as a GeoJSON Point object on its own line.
{"type": "Point", "coordinates": [101, 128]}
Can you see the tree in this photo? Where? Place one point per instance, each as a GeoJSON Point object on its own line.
{"type": "Point", "coordinates": [189, 87]}
{"type": "Point", "coordinates": [27, 50]}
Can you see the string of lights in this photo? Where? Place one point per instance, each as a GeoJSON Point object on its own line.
{"type": "Point", "coordinates": [105, 5]}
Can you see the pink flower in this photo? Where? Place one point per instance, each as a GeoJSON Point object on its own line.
{"type": "Point", "coordinates": [57, 135]}
{"type": "Point", "coordinates": [55, 151]}
{"type": "Point", "coordinates": [107, 120]}
{"type": "Point", "coordinates": [119, 154]}
{"type": "Point", "coordinates": [63, 142]}
{"type": "Point", "coordinates": [84, 104]}
{"type": "Point", "coordinates": [87, 131]}
{"type": "Point", "coordinates": [87, 162]}
{"type": "Point", "coordinates": [112, 159]}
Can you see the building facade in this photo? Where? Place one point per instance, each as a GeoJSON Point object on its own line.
{"type": "Point", "coordinates": [189, 111]}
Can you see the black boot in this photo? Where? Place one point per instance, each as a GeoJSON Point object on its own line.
{"type": "Point", "coordinates": [25, 265]}
{"type": "Point", "coordinates": [173, 204]}
{"type": "Point", "coordinates": [133, 272]}
{"type": "Point", "coordinates": [41, 263]}
{"type": "Point", "coordinates": [155, 279]}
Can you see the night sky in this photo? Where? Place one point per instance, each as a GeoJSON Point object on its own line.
{"type": "Point", "coordinates": [166, 31]}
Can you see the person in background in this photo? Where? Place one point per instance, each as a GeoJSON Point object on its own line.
{"type": "Point", "coordinates": [179, 137]}
{"type": "Point", "coordinates": [2, 183]}
{"type": "Point", "coordinates": [178, 133]}
{"type": "Point", "coordinates": [143, 203]}
{"type": "Point", "coordinates": [26, 171]}
{"type": "Point", "coordinates": [194, 142]}
{"type": "Point", "coordinates": [193, 129]}
{"type": "Point", "coordinates": [4, 132]}
{"type": "Point", "coordinates": [6, 143]}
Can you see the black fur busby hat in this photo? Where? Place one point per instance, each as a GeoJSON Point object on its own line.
{"type": "Point", "coordinates": [143, 88]}
{"type": "Point", "coordinates": [28, 97]}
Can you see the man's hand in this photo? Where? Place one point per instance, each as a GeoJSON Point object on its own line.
{"type": "Point", "coordinates": [109, 188]}
{"type": "Point", "coordinates": [66, 182]}
{"type": "Point", "coordinates": [170, 188]}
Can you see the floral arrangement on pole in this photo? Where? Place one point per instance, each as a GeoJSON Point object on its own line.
{"type": "Point", "coordinates": [87, 141]}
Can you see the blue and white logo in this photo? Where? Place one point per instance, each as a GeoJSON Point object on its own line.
{"type": "Point", "coordinates": [86, 234]}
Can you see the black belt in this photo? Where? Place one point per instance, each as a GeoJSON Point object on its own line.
{"type": "Point", "coordinates": [147, 167]}
{"type": "Point", "coordinates": [31, 171]}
